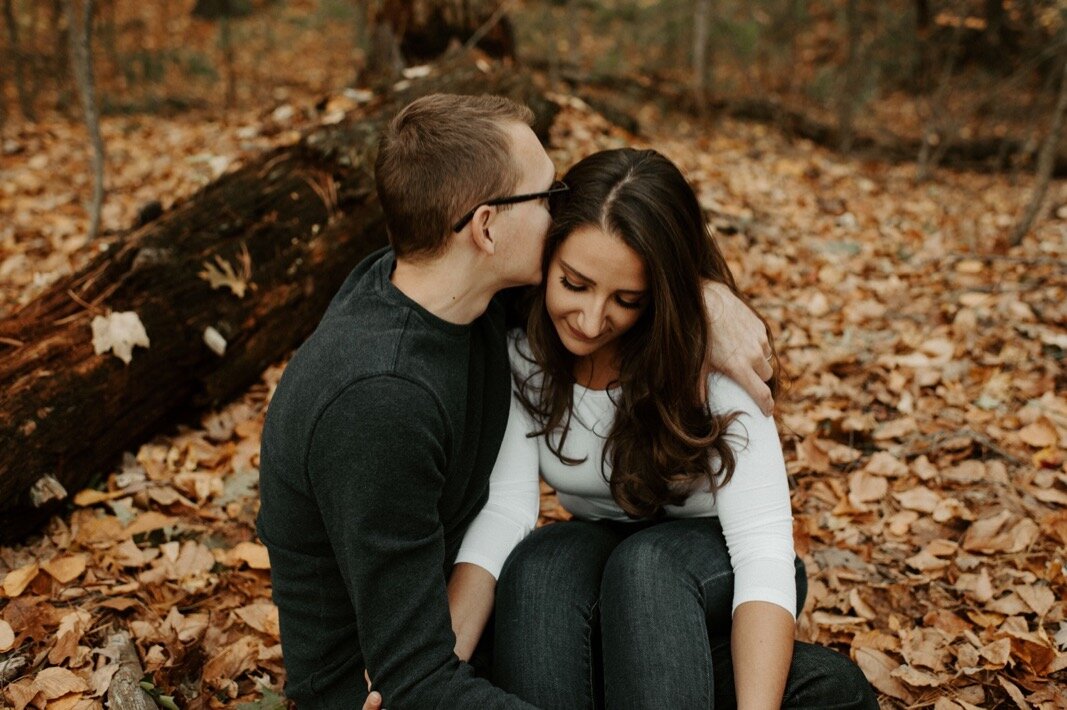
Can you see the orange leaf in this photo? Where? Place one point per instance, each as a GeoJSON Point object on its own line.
{"type": "Point", "coordinates": [1040, 434]}
{"type": "Point", "coordinates": [7, 636]}
{"type": "Point", "coordinates": [17, 580]}
{"type": "Point", "coordinates": [66, 569]}
{"type": "Point", "coordinates": [878, 667]}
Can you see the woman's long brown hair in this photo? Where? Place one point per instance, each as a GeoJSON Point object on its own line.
{"type": "Point", "coordinates": [665, 442]}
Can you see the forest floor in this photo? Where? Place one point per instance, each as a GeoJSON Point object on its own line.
{"type": "Point", "coordinates": [924, 423]}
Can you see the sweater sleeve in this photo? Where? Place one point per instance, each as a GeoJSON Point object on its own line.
{"type": "Point", "coordinates": [376, 465]}
{"type": "Point", "coordinates": [514, 501]}
{"type": "Point", "coordinates": [754, 506]}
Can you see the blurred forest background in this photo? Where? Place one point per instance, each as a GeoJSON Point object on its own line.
{"type": "Point", "coordinates": [183, 184]}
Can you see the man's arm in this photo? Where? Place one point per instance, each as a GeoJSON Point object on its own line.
{"type": "Point", "coordinates": [738, 344]}
{"type": "Point", "coordinates": [376, 464]}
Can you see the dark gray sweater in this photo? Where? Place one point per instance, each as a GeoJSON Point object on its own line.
{"type": "Point", "coordinates": [375, 458]}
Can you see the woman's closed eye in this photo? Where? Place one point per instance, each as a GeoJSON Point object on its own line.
{"type": "Point", "coordinates": [579, 288]}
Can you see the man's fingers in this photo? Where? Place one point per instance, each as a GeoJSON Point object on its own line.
{"type": "Point", "coordinates": [374, 701]}
{"type": "Point", "coordinates": [366, 677]}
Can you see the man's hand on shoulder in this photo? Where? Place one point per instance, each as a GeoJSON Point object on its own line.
{"type": "Point", "coordinates": [738, 346]}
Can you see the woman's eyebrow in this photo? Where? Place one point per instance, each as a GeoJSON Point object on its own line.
{"type": "Point", "coordinates": [591, 282]}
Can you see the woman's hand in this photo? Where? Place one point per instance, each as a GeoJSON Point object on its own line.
{"type": "Point", "coordinates": [738, 346]}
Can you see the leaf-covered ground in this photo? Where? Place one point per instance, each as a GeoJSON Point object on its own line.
{"type": "Point", "coordinates": [925, 423]}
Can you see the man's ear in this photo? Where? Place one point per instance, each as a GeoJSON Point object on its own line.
{"type": "Point", "coordinates": [481, 234]}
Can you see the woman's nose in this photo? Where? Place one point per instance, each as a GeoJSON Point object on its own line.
{"type": "Point", "coordinates": [591, 321]}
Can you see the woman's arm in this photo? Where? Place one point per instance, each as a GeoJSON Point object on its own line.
{"type": "Point", "coordinates": [761, 644]}
{"type": "Point", "coordinates": [756, 518]}
{"type": "Point", "coordinates": [738, 346]}
{"type": "Point", "coordinates": [471, 593]}
{"type": "Point", "coordinates": [508, 516]}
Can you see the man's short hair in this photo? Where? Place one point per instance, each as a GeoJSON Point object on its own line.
{"type": "Point", "coordinates": [439, 157]}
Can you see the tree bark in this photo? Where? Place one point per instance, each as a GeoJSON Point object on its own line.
{"type": "Point", "coordinates": [1046, 161]}
{"type": "Point", "coordinates": [81, 56]}
{"type": "Point", "coordinates": [849, 99]}
{"type": "Point", "coordinates": [701, 19]}
{"type": "Point", "coordinates": [15, 53]}
{"type": "Point", "coordinates": [289, 226]}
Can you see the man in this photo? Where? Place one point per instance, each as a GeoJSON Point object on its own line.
{"type": "Point", "coordinates": [382, 433]}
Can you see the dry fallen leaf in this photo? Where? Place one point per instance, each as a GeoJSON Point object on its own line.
{"type": "Point", "coordinates": [7, 637]}
{"type": "Point", "coordinates": [119, 332]}
{"type": "Point", "coordinates": [879, 667]}
{"type": "Point", "coordinates": [1040, 434]}
{"type": "Point", "coordinates": [66, 569]}
{"type": "Point", "coordinates": [17, 580]}
{"type": "Point", "coordinates": [57, 682]}
{"type": "Point", "coordinates": [253, 554]}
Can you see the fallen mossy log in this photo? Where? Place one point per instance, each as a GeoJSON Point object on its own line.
{"type": "Point", "coordinates": [225, 283]}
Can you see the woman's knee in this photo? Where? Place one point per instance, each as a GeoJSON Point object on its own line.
{"type": "Point", "coordinates": [677, 552]}
{"type": "Point", "coordinates": [568, 553]}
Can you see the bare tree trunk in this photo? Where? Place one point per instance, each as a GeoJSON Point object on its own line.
{"type": "Point", "coordinates": [936, 138]}
{"type": "Point", "coordinates": [226, 43]}
{"type": "Point", "coordinates": [25, 98]}
{"type": "Point", "coordinates": [701, 19]}
{"type": "Point", "coordinates": [82, 61]}
{"type": "Point", "coordinates": [1045, 161]}
{"type": "Point", "coordinates": [846, 107]}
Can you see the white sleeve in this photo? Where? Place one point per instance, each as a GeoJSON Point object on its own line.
{"type": "Point", "coordinates": [514, 501]}
{"type": "Point", "coordinates": [754, 507]}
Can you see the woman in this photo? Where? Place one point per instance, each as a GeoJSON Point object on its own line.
{"type": "Point", "coordinates": [677, 584]}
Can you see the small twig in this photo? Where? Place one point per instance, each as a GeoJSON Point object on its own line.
{"type": "Point", "coordinates": [125, 691]}
{"type": "Point", "coordinates": [12, 668]}
{"type": "Point", "coordinates": [939, 438]}
{"type": "Point", "coordinates": [1028, 260]}
{"type": "Point", "coordinates": [481, 32]}
{"type": "Point", "coordinates": [12, 342]}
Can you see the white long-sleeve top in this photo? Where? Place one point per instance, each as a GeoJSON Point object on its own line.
{"type": "Point", "coordinates": [753, 507]}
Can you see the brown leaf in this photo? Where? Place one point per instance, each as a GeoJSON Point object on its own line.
{"type": "Point", "coordinates": [150, 520]}
{"type": "Point", "coordinates": [57, 682]}
{"type": "Point", "coordinates": [864, 487]}
{"type": "Point", "coordinates": [1040, 434]}
{"type": "Point", "coordinates": [884, 463]}
{"type": "Point", "coordinates": [251, 553]}
{"type": "Point", "coordinates": [16, 581]}
{"type": "Point", "coordinates": [878, 667]}
{"type": "Point", "coordinates": [100, 680]}
{"type": "Point", "coordinates": [1014, 693]}
{"type": "Point", "coordinates": [233, 660]}
{"type": "Point", "coordinates": [1038, 597]}
{"type": "Point", "coordinates": [7, 637]}
{"type": "Point", "coordinates": [66, 569]}
{"type": "Point", "coordinates": [23, 693]}
{"type": "Point", "coordinates": [996, 653]}
{"type": "Point", "coordinates": [916, 677]}
{"type": "Point", "coordinates": [262, 617]}
{"type": "Point", "coordinates": [919, 498]}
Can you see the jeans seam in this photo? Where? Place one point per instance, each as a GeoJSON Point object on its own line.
{"type": "Point", "coordinates": [590, 661]}
{"type": "Point", "coordinates": [719, 575]}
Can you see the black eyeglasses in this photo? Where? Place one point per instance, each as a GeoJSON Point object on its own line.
{"type": "Point", "coordinates": [557, 187]}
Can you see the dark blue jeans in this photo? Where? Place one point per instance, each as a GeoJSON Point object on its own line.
{"type": "Point", "coordinates": [637, 615]}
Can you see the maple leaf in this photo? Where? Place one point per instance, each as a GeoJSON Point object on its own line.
{"type": "Point", "coordinates": [119, 332]}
